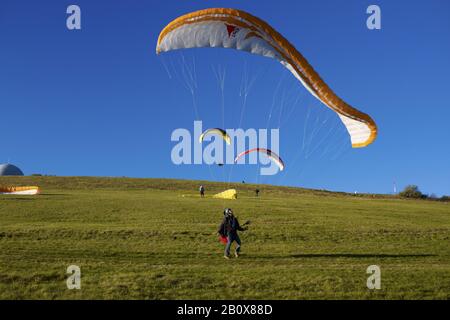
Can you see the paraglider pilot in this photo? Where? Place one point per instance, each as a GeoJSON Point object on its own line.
{"type": "Point", "coordinates": [229, 228]}
{"type": "Point", "coordinates": [202, 191]}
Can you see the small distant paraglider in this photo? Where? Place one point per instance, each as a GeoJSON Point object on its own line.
{"type": "Point", "coordinates": [272, 155]}
{"type": "Point", "coordinates": [222, 133]}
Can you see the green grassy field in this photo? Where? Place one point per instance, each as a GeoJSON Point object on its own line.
{"type": "Point", "coordinates": [155, 239]}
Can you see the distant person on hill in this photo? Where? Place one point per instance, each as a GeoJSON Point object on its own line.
{"type": "Point", "coordinates": [202, 191]}
{"type": "Point", "coordinates": [229, 228]}
{"type": "Point", "coordinates": [257, 192]}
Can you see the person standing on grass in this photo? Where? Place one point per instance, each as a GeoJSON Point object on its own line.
{"type": "Point", "coordinates": [202, 191]}
{"type": "Point", "coordinates": [229, 228]}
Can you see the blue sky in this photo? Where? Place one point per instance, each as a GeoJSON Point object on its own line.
{"type": "Point", "coordinates": [99, 102]}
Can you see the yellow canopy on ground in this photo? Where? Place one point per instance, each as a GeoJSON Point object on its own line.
{"type": "Point", "coordinates": [227, 194]}
{"type": "Point", "coordinates": [26, 190]}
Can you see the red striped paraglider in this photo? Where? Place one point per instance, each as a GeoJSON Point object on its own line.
{"type": "Point", "coordinates": [272, 155]}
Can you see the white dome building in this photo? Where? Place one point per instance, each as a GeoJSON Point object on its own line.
{"type": "Point", "coordinates": [7, 169]}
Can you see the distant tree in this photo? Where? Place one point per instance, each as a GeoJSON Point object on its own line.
{"type": "Point", "coordinates": [413, 192]}
{"type": "Point", "coordinates": [445, 198]}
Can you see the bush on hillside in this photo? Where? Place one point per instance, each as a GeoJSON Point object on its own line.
{"type": "Point", "coordinates": [413, 192]}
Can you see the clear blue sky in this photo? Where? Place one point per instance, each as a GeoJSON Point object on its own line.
{"type": "Point", "coordinates": [100, 102]}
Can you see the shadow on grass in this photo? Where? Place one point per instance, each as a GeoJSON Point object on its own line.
{"type": "Point", "coordinates": [345, 255]}
{"type": "Point", "coordinates": [41, 196]}
{"type": "Point", "coordinates": [359, 255]}
{"type": "Point", "coordinates": [16, 198]}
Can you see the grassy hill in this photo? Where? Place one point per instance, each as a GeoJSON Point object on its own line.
{"type": "Point", "coordinates": [155, 239]}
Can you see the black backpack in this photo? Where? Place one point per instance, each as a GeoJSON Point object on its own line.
{"type": "Point", "coordinates": [224, 227]}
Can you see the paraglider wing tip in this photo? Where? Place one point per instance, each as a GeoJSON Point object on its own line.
{"type": "Point", "coordinates": [373, 135]}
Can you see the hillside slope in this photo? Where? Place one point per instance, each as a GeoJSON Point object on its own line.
{"type": "Point", "coordinates": [154, 239]}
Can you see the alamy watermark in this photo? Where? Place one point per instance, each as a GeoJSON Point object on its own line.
{"type": "Point", "coordinates": [74, 280]}
{"type": "Point", "coordinates": [73, 21]}
{"type": "Point", "coordinates": [373, 22]}
{"type": "Point", "coordinates": [374, 280]}
{"type": "Point", "coordinates": [188, 149]}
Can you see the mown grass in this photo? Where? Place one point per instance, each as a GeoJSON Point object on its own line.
{"type": "Point", "coordinates": [155, 239]}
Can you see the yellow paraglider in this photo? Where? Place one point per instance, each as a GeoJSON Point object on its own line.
{"type": "Point", "coordinates": [235, 29]}
{"type": "Point", "coordinates": [28, 190]}
{"type": "Point", "coordinates": [218, 131]}
{"type": "Point", "coordinates": [227, 194]}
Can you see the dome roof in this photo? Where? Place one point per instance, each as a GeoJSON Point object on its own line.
{"type": "Point", "coordinates": [10, 170]}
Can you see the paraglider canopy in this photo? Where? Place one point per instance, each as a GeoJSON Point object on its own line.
{"type": "Point", "coordinates": [272, 155]}
{"type": "Point", "coordinates": [236, 29]}
{"type": "Point", "coordinates": [26, 190]}
{"type": "Point", "coordinates": [227, 194]}
{"type": "Point", "coordinates": [218, 131]}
